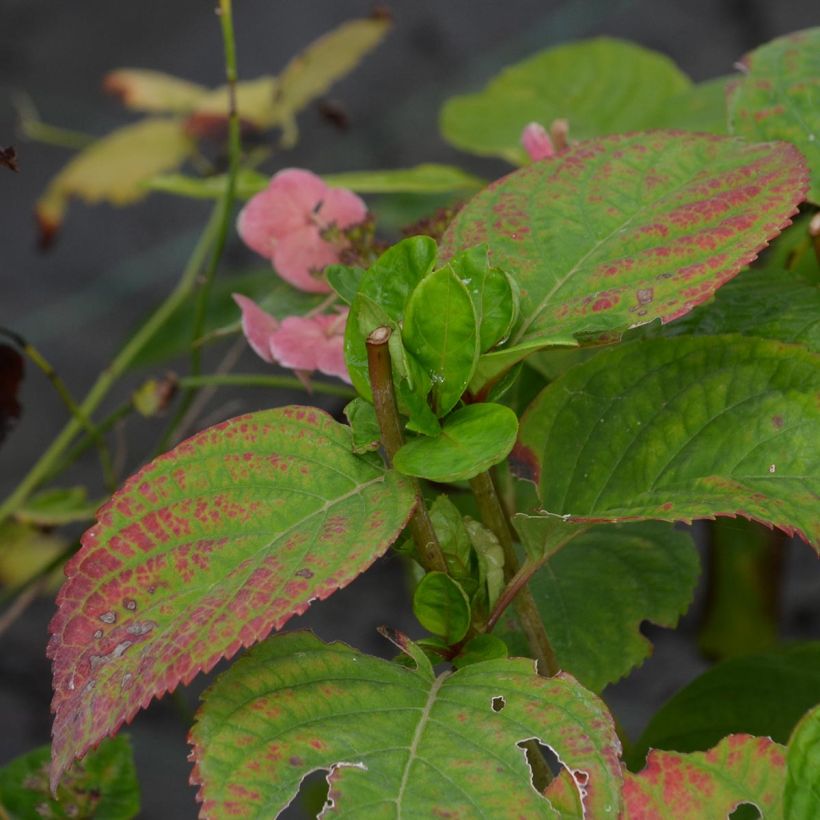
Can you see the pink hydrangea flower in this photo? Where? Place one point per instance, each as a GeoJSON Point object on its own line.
{"type": "Point", "coordinates": [287, 221]}
{"type": "Point", "coordinates": [536, 142]}
{"type": "Point", "coordinates": [302, 343]}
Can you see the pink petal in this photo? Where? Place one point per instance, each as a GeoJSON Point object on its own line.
{"type": "Point", "coordinates": [257, 326]}
{"type": "Point", "coordinates": [536, 141]}
{"type": "Point", "coordinates": [331, 359]}
{"type": "Point", "coordinates": [296, 343]}
{"type": "Point", "coordinates": [301, 190]}
{"type": "Point", "coordinates": [342, 208]}
{"type": "Point", "coordinates": [299, 255]}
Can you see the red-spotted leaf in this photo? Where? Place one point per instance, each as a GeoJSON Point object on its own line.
{"type": "Point", "coordinates": [398, 741]}
{"type": "Point", "coordinates": [615, 232]}
{"type": "Point", "coordinates": [777, 99]}
{"type": "Point", "coordinates": [740, 769]}
{"type": "Point", "coordinates": [206, 550]}
{"type": "Point", "coordinates": [683, 428]}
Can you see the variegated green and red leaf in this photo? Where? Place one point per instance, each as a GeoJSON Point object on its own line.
{"type": "Point", "coordinates": [206, 550]}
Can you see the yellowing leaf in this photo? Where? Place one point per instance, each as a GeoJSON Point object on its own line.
{"type": "Point", "coordinates": [114, 168]}
{"type": "Point", "coordinates": [154, 91]}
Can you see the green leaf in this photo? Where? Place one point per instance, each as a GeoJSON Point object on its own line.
{"type": "Point", "coordinates": [615, 232]}
{"type": "Point", "coordinates": [596, 591]}
{"type": "Point", "coordinates": [206, 550]}
{"type": "Point", "coordinates": [740, 769]}
{"type": "Point", "coordinates": [776, 99]}
{"type": "Point", "coordinates": [102, 785]}
{"type": "Point", "coordinates": [441, 331]}
{"type": "Point", "coordinates": [154, 92]}
{"type": "Point", "coordinates": [57, 506]}
{"type": "Point", "coordinates": [26, 552]}
{"type": "Point", "coordinates": [801, 796]}
{"type": "Point", "coordinates": [678, 429]}
{"type": "Point", "coordinates": [442, 607]}
{"type": "Point", "coordinates": [481, 648]}
{"type": "Point", "coordinates": [494, 364]}
{"type": "Point", "coordinates": [345, 280]}
{"type": "Point", "coordinates": [771, 305]}
{"type": "Point", "coordinates": [494, 295]}
{"type": "Point", "coordinates": [271, 293]}
{"type": "Point", "coordinates": [248, 182]}
{"type": "Point", "coordinates": [397, 741]}
{"type": "Point", "coordinates": [763, 694]}
{"type": "Point", "coordinates": [490, 561]}
{"type": "Point", "coordinates": [454, 540]}
{"type": "Point", "coordinates": [699, 108]}
{"type": "Point", "coordinates": [602, 86]}
{"type": "Point", "coordinates": [472, 439]}
{"type": "Point", "coordinates": [428, 178]}
{"type": "Point", "coordinates": [792, 251]}
{"type": "Point", "coordinates": [361, 416]}
{"type": "Point", "coordinates": [114, 168]}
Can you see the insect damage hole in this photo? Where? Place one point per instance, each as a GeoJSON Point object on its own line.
{"type": "Point", "coordinates": [498, 703]}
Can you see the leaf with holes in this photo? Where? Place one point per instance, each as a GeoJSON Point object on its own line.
{"type": "Point", "coordinates": [471, 440]}
{"type": "Point", "coordinates": [113, 169]}
{"type": "Point", "coordinates": [205, 551]}
{"type": "Point", "coordinates": [761, 694]}
{"type": "Point", "coordinates": [397, 741]}
{"type": "Point", "coordinates": [618, 231]}
{"type": "Point", "coordinates": [801, 796]}
{"type": "Point", "coordinates": [103, 785]}
{"type": "Point", "coordinates": [678, 429]}
{"type": "Point", "coordinates": [740, 769]}
{"type": "Point", "coordinates": [602, 86]}
{"type": "Point", "coordinates": [636, 572]}
{"type": "Point", "coordinates": [776, 99]}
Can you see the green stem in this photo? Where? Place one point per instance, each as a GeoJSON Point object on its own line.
{"type": "Point", "coordinates": [495, 519]}
{"type": "Point", "coordinates": [40, 361]}
{"type": "Point", "coordinates": [384, 400]}
{"type": "Point", "coordinates": [225, 209]}
{"type": "Point", "coordinates": [254, 380]}
{"type": "Point", "coordinates": [45, 464]}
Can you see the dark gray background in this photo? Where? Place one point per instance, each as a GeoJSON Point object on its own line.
{"type": "Point", "coordinates": [111, 266]}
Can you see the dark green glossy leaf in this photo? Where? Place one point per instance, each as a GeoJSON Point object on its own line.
{"type": "Point", "coordinates": [481, 648]}
{"type": "Point", "coordinates": [399, 742]}
{"type": "Point", "coordinates": [619, 231]}
{"type": "Point", "coordinates": [102, 785]}
{"type": "Point", "coordinates": [442, 607]}
{"type": "Point", "coordinates": [776, 99]}
{"type": "Point", "coordinates": [596, 591]}
{"type": "Point", "coordinates": [472, 439]}
{"type": "Point", "coordinates": [677, 429]}
{"type": "Point", "coordinates": [801, 795]}
{"type": "Point", "coordinates": [699, 108]}
{"type": "Point", "coordinates": [764, 694]}
{"type": "Point", "coordinates": [602, 86]}
{"type": "Point", "coordinates": [361, 417]}
{"type": "Point", "coordinates": [441, 331]}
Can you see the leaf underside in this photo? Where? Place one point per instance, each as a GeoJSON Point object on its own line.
{"type": "Point", "coordinates": [206, 550]}
{"type": "Point", "coordinates": [616, 232]}
{"type": "Point", "coordinates": [678, 429]}
{"type": "Point", "coordinates": [398, 742]}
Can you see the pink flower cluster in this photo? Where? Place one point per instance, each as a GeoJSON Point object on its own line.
{"type": "Point", "coordinates": [296, 222]}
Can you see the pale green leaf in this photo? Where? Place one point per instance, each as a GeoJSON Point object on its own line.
{"type": "Point", "coordinates": [154, 92]}
{"type": "Point", "coordinates": [801, 796]}
{"type": "Point", "coordinates": [699, 108]}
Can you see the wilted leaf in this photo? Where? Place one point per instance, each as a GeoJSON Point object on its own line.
{"type": "Point", "coordinates": [102, 785]}
{"type": "Point", "coordinates": [777, 97]}
{"type": "Point", "coordinates": [57, 506]}
{"type": "Point", "coordinates": [442, 607]}
{"type": "Point", "coordinates": [602, 86]}
{"type": "Point", "coordinates": [206, 550]}
{"type": "Point", "coordinates": [441, 330]}
{"type": "Point", "coordinates": [677, 429]}
{"type": "Point", "coordinates": [740, 769]}
{"type": "Point", "coordinates": [472, 439]}
{"type": "Point", "coordinates": [397, 741]}
{"type": "Point", "coordinates": [597, 590]}
{"type": "Point", "coordinates": [616, 232]}
{"type": "Point", "coordinates": [8, 158]}
{"type": "Point", "coordinates": [801, 796]}
{"type": "Point", "coordinates": [11, 375]}
{"type": "Point", "coordinates": [762, 694]}
{"type": "Point", "coordinates": [113, 169]}
{"type": "Point", "coordinates": [154, 91]}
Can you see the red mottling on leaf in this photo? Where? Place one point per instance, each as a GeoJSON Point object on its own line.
{"type": "Point", "coordinates": [203, 553]}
